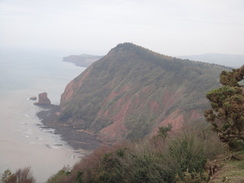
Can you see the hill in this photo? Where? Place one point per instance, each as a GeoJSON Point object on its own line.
{"type": "Point", "coordinates": [234, 61]}
{"type": "Point", "coordinates": [132, 91]}
{"type": "Point", "coordinates": [83, 60]}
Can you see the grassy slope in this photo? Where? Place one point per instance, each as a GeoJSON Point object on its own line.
{"type": "Point", "coordinates": [231, 171]}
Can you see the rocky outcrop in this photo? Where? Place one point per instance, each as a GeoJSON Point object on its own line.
{"type": "Point", "coordinates": [43, 99]}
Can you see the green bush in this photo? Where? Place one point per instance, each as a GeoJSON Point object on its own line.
{"type": "Point", "coordinates": [188, 153]}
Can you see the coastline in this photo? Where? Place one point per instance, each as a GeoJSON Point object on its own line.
{"type": "Point", "coordinates": [76, 138]}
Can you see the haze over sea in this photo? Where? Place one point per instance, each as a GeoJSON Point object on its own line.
{"type": "Point", "coordinates": [23, 141]}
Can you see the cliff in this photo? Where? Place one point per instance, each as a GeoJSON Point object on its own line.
{"type": "Point", "coordinates": [132, 91]}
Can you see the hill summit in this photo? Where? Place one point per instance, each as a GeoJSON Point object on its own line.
{"type": "Point", "coordinates": [132, 91]}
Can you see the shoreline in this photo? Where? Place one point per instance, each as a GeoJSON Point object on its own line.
{"type": "Point", "coordinates": [76, 138]}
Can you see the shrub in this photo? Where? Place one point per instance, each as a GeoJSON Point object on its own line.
{"type": "Point", "coordinates": [188, 154]}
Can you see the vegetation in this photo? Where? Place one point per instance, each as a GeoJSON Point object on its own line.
{"type": "Point", "coordinates": [227, 113]}
{"type": "Point", "coordinates": [164, 131]}
{"type": "Point", "coordinates": [20, 176]}
{"type": "Point", "coordinates": [229, 170]}
{"type": "Point", "coordinates": [58, 177]}
{"type": "Point", "coordinates": [176, 158]}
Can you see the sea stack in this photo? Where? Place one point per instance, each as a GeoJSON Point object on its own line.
{"type": "Point", "coordinates": [43, 99]}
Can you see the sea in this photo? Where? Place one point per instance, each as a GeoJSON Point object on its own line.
{"type": "Point", "coordinates": [23, 140]}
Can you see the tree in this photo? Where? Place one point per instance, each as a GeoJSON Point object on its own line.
{"type": "Point", "coordinates": [6, 174]}
{"type": "Point", "coordinates": [20, 176]}
{"type": "Point", "coordinates": [227, 113]}
{"type": "Point", "coordinates": [164, 130]}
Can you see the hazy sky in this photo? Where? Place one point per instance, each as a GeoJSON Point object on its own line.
{"type": "Point", "coordinates": [171, 27]}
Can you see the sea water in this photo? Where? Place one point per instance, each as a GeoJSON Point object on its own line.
{"type": "Point", "coordinates": [23, 141]}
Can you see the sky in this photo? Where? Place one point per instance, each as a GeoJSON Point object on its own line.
{"type": "Point", "coordinates": [170, 27]}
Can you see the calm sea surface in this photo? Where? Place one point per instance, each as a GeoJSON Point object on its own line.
{"type": "Point", "coordinates": [23, 142]}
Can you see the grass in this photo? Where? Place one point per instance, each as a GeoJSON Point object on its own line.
{"type": "Point", "coordinates": [231, 171]}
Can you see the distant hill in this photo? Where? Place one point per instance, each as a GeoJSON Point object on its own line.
{"type": "Point", "coordinates": [234, 61]}
{"type": "Point", "coordinates": [132, 91]}
{"type": "Point", "coordinates": [83, 60]}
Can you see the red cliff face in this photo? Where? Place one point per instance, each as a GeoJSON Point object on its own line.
{"type": "Point", "coordinates": [72, 87]}
{"type": "Point", "coordinates": [131, 105]}
{"type": "Point", "coordinates": [132, 91]}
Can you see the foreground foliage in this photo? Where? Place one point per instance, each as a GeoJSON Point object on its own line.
{"type": "Point", "coordinates": [230, 170]}
{"type": "Point", "coordinates": [20, 176]}
{"type": "Point", "coordinates": [227, 113]}
{"type": "Point", "coordinates": [178, 158]}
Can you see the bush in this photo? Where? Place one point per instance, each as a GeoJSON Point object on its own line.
{"type": "Point", "coordinates": [188, 154]}
{"type": "Point", "coordinates": [58, 177]}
